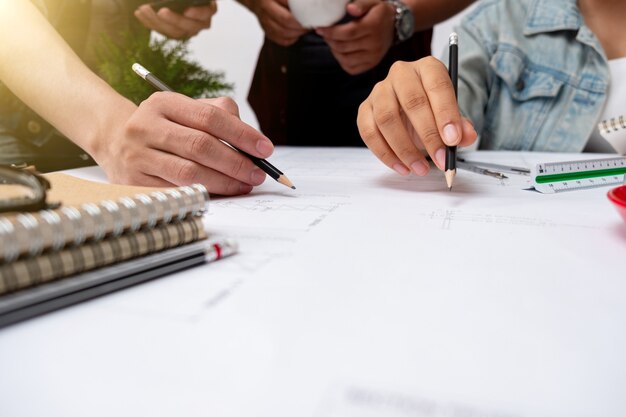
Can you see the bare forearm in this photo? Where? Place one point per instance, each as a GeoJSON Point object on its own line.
{"type": "Point", "coordinates": [430, 12]}
{"type": "Point", "coordinates": [53, 81]}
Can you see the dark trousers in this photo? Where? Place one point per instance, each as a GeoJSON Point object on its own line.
{"type": "Point", "coordinates": [302, 97]}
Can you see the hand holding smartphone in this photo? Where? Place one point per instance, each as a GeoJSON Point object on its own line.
{"type": "Point", "coordinates": [178, 6]}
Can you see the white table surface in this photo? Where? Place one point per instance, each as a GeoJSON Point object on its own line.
{"type": "Point", "coordinates": [361, 293]}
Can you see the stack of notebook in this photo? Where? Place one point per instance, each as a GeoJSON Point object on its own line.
{"type": "Point", "coordinates": [97, 225]}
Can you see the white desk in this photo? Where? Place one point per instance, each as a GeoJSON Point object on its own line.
{"type": "Point", "coordinates": [359, 294]}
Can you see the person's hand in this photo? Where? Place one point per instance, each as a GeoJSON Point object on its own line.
{"type": "Point", "coordinates": [412, 112]}
{"type": "Point", "coordinates": [361, 44]}
{"type": "Point", "coordinates": [279, 25]}
{"type": "Point", "coordinates": [171, 139]}
{"type": "Point", "coordinates": [174, 25]}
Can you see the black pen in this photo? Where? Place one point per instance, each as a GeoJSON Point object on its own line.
{"type": "Point", "coordinates": [454, 75]}
{"type": "Point", "coordinates": [268, 168]}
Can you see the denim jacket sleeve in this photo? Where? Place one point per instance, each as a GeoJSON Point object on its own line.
{"type": "Point", "coordinates": [474, 71]}
{"type": "Point", "coordinates": [532, 76]}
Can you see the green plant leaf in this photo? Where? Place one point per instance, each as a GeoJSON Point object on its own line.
{"type": "Point", "coordinates": [167, 59]}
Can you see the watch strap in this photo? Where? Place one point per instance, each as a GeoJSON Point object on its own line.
{"type": "Point", "coordinates": [399, 9]}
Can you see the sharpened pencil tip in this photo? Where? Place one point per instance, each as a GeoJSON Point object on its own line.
{"type": "Point", "coordinates": [285, 181]}
{"type": "Point", "coordinates": [450, 178]}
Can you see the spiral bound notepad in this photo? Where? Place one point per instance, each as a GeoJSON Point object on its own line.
{"type": "Point", "coordinates": [91, 211]}
{"type": "Point", "coordinates": [614, 131]}
{"type": "Point", "coordinates": [53, 265]}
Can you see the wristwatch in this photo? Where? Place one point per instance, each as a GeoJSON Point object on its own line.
{"type": "Point", "coordinates": [404, 21]}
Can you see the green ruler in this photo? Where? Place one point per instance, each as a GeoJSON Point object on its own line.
{"type": "Point", "coordinates": [554, 177]}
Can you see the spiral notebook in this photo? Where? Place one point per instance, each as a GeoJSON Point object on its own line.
{"type": "Point", "coordinates": [91, 211]}
{"type": "Point", "coordinates": [97, 224]}
{"type": "Point", "coordinates": [49, 266]}
{"type": "Point", "coordinates": [614, 131]}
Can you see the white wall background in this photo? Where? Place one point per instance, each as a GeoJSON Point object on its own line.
{"type": "Point", "coordinates": [234, 40]}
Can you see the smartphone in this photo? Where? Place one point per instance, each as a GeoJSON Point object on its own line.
{"type": "Point", "coordinates": [178, 6]}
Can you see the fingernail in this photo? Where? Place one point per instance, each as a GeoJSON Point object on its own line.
{"type": "Point", "coordinates": [257, 176]}
{"type": "Point", "coordinates": [450, 135]}
{"type": "Point", "coordinates": [440, 158]}
{"type": "Point", "coordinates": [245, 188]}
{"type": "Point", "coordinates": [264, 147]}
{"type": "Point", "coordinates": [401, 169]}
{"type": "Point", "coordinates": [420, 168]}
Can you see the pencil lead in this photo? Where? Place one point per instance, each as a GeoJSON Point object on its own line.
{"type": "Point", "coordinates": [285, 181]}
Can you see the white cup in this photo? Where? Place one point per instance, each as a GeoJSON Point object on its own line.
{"type": "Point", "coordinates": [318, 13]}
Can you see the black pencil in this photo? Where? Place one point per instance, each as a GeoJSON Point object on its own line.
{"type": "Point", "coordinates": [268, 168]}
{"type": "Point", "coordinates": [58, 294]}
{"type": "Point", "coordinates": [453, 70]}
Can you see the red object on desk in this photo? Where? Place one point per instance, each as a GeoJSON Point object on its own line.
{"type": "Point", "coordinates": [618, 196]}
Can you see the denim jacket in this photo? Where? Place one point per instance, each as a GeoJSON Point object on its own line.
{"type": "Point", "coordinates": [532, 76]}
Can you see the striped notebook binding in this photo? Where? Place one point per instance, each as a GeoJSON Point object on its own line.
{"type": "Point", "coordinates": [96, 225]}
{"type": "Point", "coordinates": [612, 125]}
{"type": "Point", "coordinates": [30, 234]}
{"type": "Point", "coordinates": [614, 131]}
{"type": "Point", "coordinates": [31, 271]}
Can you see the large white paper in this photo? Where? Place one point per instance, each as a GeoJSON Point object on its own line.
{"type": "Point", "coordinates": [360, 293]}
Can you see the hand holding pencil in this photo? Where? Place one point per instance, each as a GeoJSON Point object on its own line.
{"type": "Point", "coordinates": [264, 165]}
{"type": "Point", "coordinates": [171, 139]}
{"type": "Point", "coordinates": [411, 112]}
